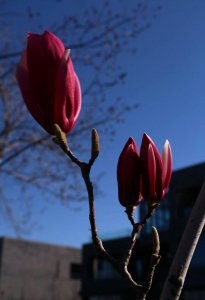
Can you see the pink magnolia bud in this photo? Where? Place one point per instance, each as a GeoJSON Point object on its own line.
{"type": "Point", "coordinates": [128, 175]}
{"type": "Point", "coordinates": [48, 82]}
{"type": "Point", "coordinates": [156, 170]}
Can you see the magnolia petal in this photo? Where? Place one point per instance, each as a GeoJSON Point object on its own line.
{"type": "Point", "coordinates": [144, 163]}
{"type": "Point", "coordinates": [59, 113]}
{"type": "Point", "coordinates": [74, 108]}
{"type": "Point", "coordinates": [23, 81]}
{"type": "Point", "coordinates": [44, 53]}
{"type": "Point", "coordinates": [78, 98]}
{"type": "Point", "coordinates": [167, 164]}
{"type": "Point", "coordinates": [123, 164]}
{"type": "Point", "coordinates": [67, 103]}
{"type": "Point", "coordinates": [151, 172]}
{"type": "Point", "coordinates": [73, 102]}
{"type": "Point", "coordinates": [158, 159]}
{"type": "Point", "coordinates": [146, 141]}
{"type": "Point", "coordinates": [128, 175]}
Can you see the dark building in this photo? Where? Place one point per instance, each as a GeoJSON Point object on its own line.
{"type": "Point", "coordinates": [36, 271]}
{"type": "Point", "coordinates": [101, 282]}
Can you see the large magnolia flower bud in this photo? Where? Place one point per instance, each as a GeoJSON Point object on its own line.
{"type": "Point", "coordinates": [48, 82]}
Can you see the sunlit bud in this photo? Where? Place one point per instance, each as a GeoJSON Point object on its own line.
{"type": "Point", "coordinates": [156, 169]}
{"type": "Point", "coordinates": [48, 82]}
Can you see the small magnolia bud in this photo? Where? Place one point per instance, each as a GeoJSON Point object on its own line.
{"type": "Point", "coordinates": [60, 136]}
{"type": "Point", "coordinates": [95, 148]}
{"type": "Point", "coordinates": [128, 175]}
{"type": "Point", "coordinates": [155, 241]}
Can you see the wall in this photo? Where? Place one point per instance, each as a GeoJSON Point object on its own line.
{"type": "Point", "coordinates": [35, 271]}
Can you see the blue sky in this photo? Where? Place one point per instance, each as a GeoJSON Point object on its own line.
{"type": "Point", "coordinates": [167, 78]}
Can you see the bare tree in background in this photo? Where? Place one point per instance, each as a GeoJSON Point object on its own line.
{"type": "Point", "coordinates": [97, 38]}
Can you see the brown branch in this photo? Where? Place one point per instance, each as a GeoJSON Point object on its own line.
{"type": "Point", "coordinates": [137, 227]}
{"type": "Point", "coordinates": [121, 268]}
{"type": "Point", "coordinates": [175, 280]}
{"type": "Point", "coordinates": [85, 170]}
{"type": "Point", "coordinates": [21, 150]}
{"type": "Point", "coordinates": [120, 265]}
{"type": "Point", "coordinates": [155, 259]}
{"type": "Point", "coordinates": [88, 43]}
{"type": "Point", "coordinates": [44, 138]}
{"type": "Point", "coordinates": [31, 181]}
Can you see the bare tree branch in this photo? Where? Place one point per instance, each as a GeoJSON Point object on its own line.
{"type": "Point", "coordinates": [99, 37]}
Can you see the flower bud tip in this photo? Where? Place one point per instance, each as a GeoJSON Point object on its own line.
{"type": "Point", "coordinates": [155, 241]}
{"type": "Point", "coordinates": [95, 147]}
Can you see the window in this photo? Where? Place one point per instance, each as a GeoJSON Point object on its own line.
{"type": "Point", "coordinates": [75, 271]}
{"type": "Point", "coordinates": [198, 260]}
{"type": "Point", "coordinates": [194, 295]}
{"type": "Point", "coordinates": [102, 269]}
{"type": "Point", "coordinates": [160, 219]}
{"type": "Point", "coordinates": [107, 297]}
{"type": "Point", "coordinates": [138, 267]}
{"type": "Point", "coordinates": [185, 201]}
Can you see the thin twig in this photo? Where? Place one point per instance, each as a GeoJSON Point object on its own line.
{"type": "Point", "coordinates": [120, 265]}
{"type": "Point", "coordinates": [137, 227]}
{"type": "Point", "coordinates": [85, 170]}
{"type": "Point", "coordinates": [155, 259]}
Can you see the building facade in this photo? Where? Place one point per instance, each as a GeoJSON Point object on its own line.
{"type": "Point", "coordinates": [36, 271]}
{"type": "Point", "coordinates": [101, 282]}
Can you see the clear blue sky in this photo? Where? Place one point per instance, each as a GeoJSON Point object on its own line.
{"type": "Point", "coordinates": [167, 79]}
